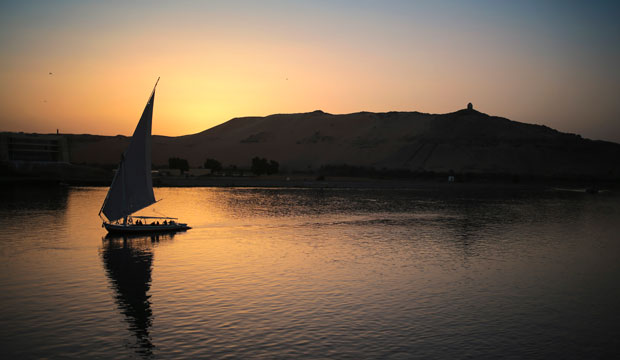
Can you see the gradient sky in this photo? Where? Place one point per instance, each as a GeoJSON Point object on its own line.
{"type": "Point", "coordinates": [544, 62]}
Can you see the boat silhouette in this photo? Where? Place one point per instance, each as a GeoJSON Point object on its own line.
{"type": "Point", "coordinates": [132, 187]}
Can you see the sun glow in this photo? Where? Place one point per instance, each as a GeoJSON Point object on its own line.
{"type": "Point", "coordinates": [89, 67]}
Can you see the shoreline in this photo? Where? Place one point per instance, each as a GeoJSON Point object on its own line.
{"type": "Point", "coordinates": [300, 181]}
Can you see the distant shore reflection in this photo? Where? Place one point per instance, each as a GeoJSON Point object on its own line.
{"type": "Point", "coordinates": [128, 261]}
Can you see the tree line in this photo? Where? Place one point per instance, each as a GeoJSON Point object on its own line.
{"type": "Point", "coordinates": [259, 166]}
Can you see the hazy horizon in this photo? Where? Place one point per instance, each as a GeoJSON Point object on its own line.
{"type": "Point", "coordinates": [88, 67]}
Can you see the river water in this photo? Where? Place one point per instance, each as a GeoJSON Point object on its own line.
{"type": "Point", "coordinates": [448, 272]}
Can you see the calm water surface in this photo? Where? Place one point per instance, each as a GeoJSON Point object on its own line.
{"type": "Point", "coordinates": [458, 272]}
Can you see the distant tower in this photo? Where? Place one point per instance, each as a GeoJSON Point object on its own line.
{"type": "Point", "coordinates": [470, 106]}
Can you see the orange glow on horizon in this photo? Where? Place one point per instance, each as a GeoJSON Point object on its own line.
{"type": "Point", "coordinates": [217, 63]}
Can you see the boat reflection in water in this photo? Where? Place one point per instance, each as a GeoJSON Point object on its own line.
{"type": "Point", "coordinates": [128, 261]}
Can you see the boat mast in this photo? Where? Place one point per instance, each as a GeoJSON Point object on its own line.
{"type": "Point", "coordinates": [123, 177]}
{"type": "Point", "coordinates": [156, 82]}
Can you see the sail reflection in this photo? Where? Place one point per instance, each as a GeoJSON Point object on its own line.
{"type": "Point", "coordinates": [128, 262]}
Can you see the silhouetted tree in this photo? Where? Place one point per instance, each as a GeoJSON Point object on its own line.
{"type": "Point", "coordinates": [273, 167]}
{"type": "Point", "coordinates": [262, 166]}
{"type": "Point", "coordinates": [213, 164]}
{"type": "Point", "coordinates": [259, 165]}
{"type": "Point", "coordinates": [178, 163]}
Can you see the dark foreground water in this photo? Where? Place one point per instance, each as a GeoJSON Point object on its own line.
{"type": "Point", "coordinates": [455, 272]}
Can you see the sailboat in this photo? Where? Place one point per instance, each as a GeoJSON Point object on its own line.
{"type": "Point", "coordinates": [132, 187]}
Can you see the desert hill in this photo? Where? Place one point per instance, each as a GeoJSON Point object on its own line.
{"type": "Point", "coordinates": [462, 141]}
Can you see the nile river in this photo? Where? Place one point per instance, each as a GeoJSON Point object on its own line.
{"type": "Point", "coordinates": [448, 272]}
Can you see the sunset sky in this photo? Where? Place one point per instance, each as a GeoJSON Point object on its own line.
{"type": "Point", "coordinates": [89, 66]}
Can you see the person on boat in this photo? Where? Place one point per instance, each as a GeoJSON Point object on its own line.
{"type": "Point", "coordinates": [165, 222]}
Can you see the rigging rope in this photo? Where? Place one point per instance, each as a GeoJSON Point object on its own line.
{"type": "Point", "coordinates": [158, 213]}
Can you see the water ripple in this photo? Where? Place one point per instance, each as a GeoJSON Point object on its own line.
{"type": "Point", "coordinates": [315, 273]}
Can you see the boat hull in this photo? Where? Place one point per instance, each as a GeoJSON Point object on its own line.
{"type": "Point", "coordinates": [144, 229]}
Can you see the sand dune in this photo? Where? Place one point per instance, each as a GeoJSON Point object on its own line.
{"type": "Point", "coordinates": [463, 141]}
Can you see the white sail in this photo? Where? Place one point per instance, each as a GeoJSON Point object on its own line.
{"type": "Point", "coordinates": [132, 187]}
